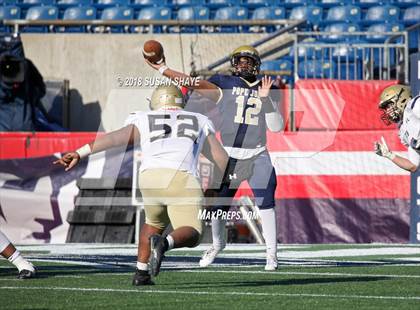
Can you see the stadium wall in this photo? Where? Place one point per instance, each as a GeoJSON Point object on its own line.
{"type": "Point", "coordinates": [94, 63]}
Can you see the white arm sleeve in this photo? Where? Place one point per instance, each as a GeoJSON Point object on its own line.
{"type": "Point", "coordinates": [413, 156]}
{"type": "Point", "coordinates": [274, 121]}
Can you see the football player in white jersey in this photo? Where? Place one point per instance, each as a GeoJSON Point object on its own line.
{"type": "Point", "coordinates": [8, 251]}
{"type": "Point", "coordinates": [171, 141]}
{"type": "Point", "coordinates": [398, 106]}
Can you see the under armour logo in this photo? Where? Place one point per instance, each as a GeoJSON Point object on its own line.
{"type": "Point", "coordinates": [232, 176]}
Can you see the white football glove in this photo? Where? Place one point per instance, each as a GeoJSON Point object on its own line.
{"type": "Point", "coordinates": [382, 149]}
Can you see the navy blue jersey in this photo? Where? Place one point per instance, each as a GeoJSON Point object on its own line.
{"type": "Point", "coordinates": [242, 112]}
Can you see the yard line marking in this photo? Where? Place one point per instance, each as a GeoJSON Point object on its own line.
{"type": "Point", "coordinates": [303, 273]}
{"type": "Point", "coordinates": [207, 292]}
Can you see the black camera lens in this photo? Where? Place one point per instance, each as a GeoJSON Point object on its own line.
{"type": "Point", "coordinates": [11, 69]}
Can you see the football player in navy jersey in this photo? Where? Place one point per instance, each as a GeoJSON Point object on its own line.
{"type": "Point", "coordinates": [246, 111]}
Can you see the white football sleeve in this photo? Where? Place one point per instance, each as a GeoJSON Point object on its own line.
{"type": "Point", "coordinates": [413, 156]}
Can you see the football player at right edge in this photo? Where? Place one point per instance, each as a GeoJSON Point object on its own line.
{"type": "Point", "coordinates": [398, 106]}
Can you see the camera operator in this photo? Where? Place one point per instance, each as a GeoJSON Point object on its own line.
{"type": "Point", "coordinates": [21, 87]}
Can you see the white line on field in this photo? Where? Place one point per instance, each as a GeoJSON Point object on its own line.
{"type": "Point", "coordinates": [303, 273]}
{"type": "Point", "coordinates": [209, 293]}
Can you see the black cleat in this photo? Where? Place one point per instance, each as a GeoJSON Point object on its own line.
{"type": "Point", "coordinates": [26, 274]}
{"type": "Point", "coordinates": [142, 277]}
{"type": "Point", "coordinates": [157, 249]}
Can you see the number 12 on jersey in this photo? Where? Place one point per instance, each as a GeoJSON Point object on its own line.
{"type": "Point", "coordinates": [253, 108]}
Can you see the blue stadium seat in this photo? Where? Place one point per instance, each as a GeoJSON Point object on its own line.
{"type": "Point", "coordinates": [309, 51]}
{"type": "Point", "coordinates": [252, 4]}
{"type": "Point", "coordinates": [369, 3]}
{"type": "Point", "coordinates": [405, 3]}
{"type": "Point", "coordinates": [346, 14]}
{"type": "Point", "coordinates": [116, 13]}
{"type": "Point", "coordinates": [232, 13]}
{"type": "Point", "coordinates": [333, 3]}
{"type": "Point", "coordinates": [8, 12]}
{"type": "Point", "coordinates": [78, 13]}
{"type": "Point", "coordinates": [317, 69]}
{"type": "Point", "coordinates": [191, 13]}
{"type": "Point", "coordinates": [46, 12]}
{"type": "Point", "coordinates": [289, 4]}
{"type": "Point", "coordinates": [312, 14]}
{"type": "Point", "coordinates": [411, 16]}
{"type": "Point", "coordinates": [182, 3]}
{"type": "Point", "coordinates": [74, 2]}
{"type": "Point", "coordinates": [64, 4]}
{"type": "Point", "coordinates": [139, 4]}
{"type": "Point", "coordinates": [25, 4]}
{"type": "Point", "coordinates": [102, 4]}
{"type": "Point", "coordinates": [278, 65]}
{"type": "Point", "coordinates": [267, 12]}
{"type": "Point", "coordinates": [157, 13]}
{"type": "Point", "coordinates": [381, 13]}
{"type": "Point", "coordinates": [215, 4]}
{"type": "Point", "coordinates": [384, 27]}
{"type": "Point", "coordinates": [339, 28]}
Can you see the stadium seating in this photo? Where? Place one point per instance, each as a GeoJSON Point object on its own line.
{"type": "Point", "coordinates": [406, 3]}
{"type": "Point", "coordinates": [8, 12]}
{"type": "Point", "coordinates": [268, 12]}
{"type": "Point", "coordinates": [333, 3]}
{"type": "Point", "coordinates": [278, 65]}
{"type": "Point", "coordinates": [411, 16]}
{"type": "Point", "coordinates": [252, 4]}
{"type": "Point", "coordinates": [231, 13]}
{"type": "Point", "coordinates": [25, 4]}
{"type": "Point", "coordinates": [349, 61]}
{"type": "Point", "coordinates": [383, 27]}
{"type": "Point", "coordinates": [346, 14]}
{"type": "Point", "coordinates": [139, 4]}
{"type": "Point", "coordinates": [317, 69]}
{"type": "Point", "coordinates": [116, 13]}
{"type": "Point", "coordinates": [339, 28]}
{"type": "Point", "coordinates": [191, 13]}
{"type": "Point", "coordinates": [46, 12]}
{"type": "Point", "coordinates": [381, 13]}
{"type": "Point", "coordinates": [78, 13]}
{"type": "Point", "coordinates": [370, 3]}
{"type": "Point", "coordinates": [296, 3]}
{"type": "Point", "coordinates": [101, 4]}
{"type": "Point", "coordinates": [312, 13]}
{"type": "Point", "coordinates": [213, 4]}
{"type": "Point", "coordinates": [182, 3]}
{"type": "Point", "coordinates": [157, 13]}
{"type": "Point", "coordinates": [64, 4]}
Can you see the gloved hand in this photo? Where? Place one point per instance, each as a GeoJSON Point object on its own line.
{"type": "Point", "coordinates": [382, 149]}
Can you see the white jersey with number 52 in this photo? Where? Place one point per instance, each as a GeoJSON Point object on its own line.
{"type": "Point", "coordinates": [171, 138]}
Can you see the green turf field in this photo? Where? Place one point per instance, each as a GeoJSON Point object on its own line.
{"type": "Point", "coordinates": [310, 277]}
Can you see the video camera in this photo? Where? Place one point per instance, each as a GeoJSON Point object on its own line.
{"type": "Point", "coordinates": [12, 59]}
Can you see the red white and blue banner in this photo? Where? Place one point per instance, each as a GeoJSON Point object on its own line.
{"type": "Point", "coordinates": [332, 187]}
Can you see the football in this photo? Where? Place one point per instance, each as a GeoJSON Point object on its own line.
{"type": "Point", "coordinates": [153, 51]}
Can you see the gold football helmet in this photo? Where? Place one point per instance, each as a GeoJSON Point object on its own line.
{"type": "Point", "coordinates": [249, 69]}
{"type": "Point", "coordinates": [393, 101]}
{"type": "Point", "coordinates": [168, 96]}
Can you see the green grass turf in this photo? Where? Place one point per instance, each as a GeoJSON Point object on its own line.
{"type": "Point", "coordinates": [72, 286]}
